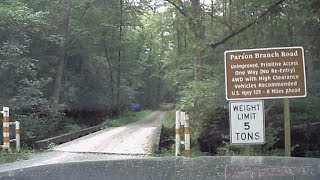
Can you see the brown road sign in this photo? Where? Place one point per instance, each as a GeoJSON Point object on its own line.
{"type": "Point", "coordinates": [265, 73]}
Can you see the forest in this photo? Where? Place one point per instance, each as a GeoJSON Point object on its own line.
{"type": "Point", "coordinates": [78, 62]}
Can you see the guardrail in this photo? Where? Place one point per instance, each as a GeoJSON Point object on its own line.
{"type": "Point", "coordinates": [43, 144]}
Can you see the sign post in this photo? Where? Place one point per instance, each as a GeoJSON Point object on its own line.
{"type": "Point", "coordinates": [287, 128]}
{"type": "Point", "coordinates": [267, 73]}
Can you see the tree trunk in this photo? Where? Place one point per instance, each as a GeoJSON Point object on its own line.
{"type": "Point", "coordinates": [212, 13]}
{"type": "Point", "coordinates": [158, 90]}
{"type": "Point", "coordinates": [185, 42]}
{"type": "Point", "coordinates": [224, 8]}
{"type": "Point", "coordinates": [110, 71]}
{"type": "Point", "coordinates": [199, 32]}
{"type": "Point", "coordinates": [199, 60]}
{"type": "Point", "coordinates": [64, 27]}
{"type": "Point", "coordinates": [309, 61]}
{"type": "Point", "coordinates": [119, 56]}
{"type": "Point", "coordinates": [180, 51]}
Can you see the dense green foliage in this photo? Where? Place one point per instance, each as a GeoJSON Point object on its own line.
{"type": "Point", "coordinates": [14, 156]}
{"type": "Point", "coordinates": [72, 62]}
{"type": "Point", "coordinates": [200, 80]}
{"type": "Point", "coordinates": [65, 63]}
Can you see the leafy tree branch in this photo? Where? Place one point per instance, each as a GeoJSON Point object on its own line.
{"type": "Point", "coordinates": [254, 21]}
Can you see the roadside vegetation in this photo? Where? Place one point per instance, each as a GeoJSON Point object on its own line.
{"type": "Point", "coordinates": [6, 157]}
{"type": "Point", "coordinates": [167, 138]}
{"type": "Point", "coordinates": [127, 118]}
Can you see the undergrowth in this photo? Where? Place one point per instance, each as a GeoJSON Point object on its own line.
{"type": "Point", "coordinates": [7, 157]}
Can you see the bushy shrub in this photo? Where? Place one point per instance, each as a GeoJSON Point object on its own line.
{"type": "Point", "coordinates": [40, 125]}
{"type": "Point", "coordinates": [214, 131]}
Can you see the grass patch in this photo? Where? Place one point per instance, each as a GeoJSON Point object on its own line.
{"type": "Point", "coordinates": [6, 157]}
{"type": "Point", "coordinates": [170, 152]}
{"type": "Point", "coordinates": [127, 118]}
{"type": "Point", "coordinates": [169, 120]}
{"type": "Point", "coordinates": [71, 128]}
{"type": "Point", "coordinates": [166, 153]}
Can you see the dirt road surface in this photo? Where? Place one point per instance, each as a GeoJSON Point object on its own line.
{"type": "Point", "coordinates": [134, 140]}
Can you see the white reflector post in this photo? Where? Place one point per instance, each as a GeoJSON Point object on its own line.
{"type": "Point", "coordinates": [178, 133]}
{"type": "Point", "coordinates": [6, 135]}
{"type": "Point", "coordinates": [182, 117]}
{"type": "Point", "coordinates": [187, 135]}
{"type": "Point", "coordinates": [17, 136]}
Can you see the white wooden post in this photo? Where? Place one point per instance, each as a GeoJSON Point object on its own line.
{"type": "Point", "coordinates": [6, 132]}
{"type": "Point", "coordinates": [182, 117]}
{"type": "Point", "coordinates": [17, 136]}
{"type": "Point", "coordinates": [178, 133]}
{"type": "Point", "coordinates": [187, 136]}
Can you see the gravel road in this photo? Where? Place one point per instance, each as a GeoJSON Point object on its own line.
{"type": "Point", "coordinates": [130, 141]}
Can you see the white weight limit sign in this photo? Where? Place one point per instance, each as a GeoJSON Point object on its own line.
{"type": "Point", "coordinates": [247, 125]}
